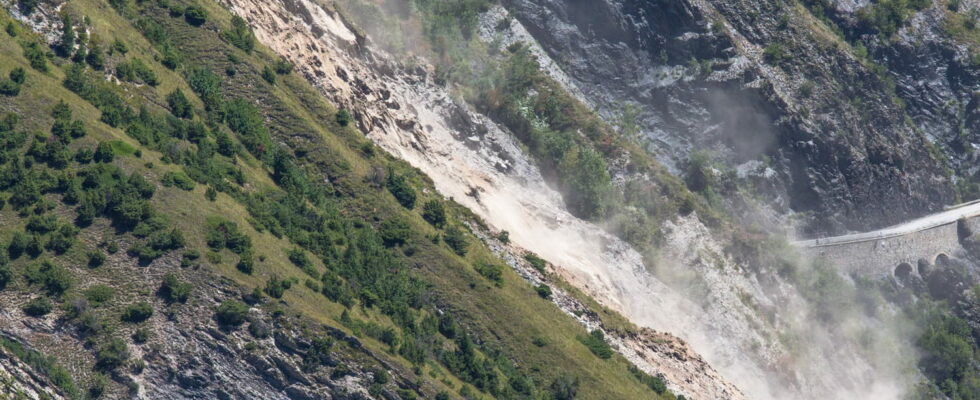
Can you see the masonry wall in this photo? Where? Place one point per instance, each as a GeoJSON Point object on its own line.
{"type": "Point", "coordinates": [879, 257]}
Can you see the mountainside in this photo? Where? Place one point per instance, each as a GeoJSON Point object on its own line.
{"type": "Point", "coordinates": [389, 199]}
{"type": "Point", "coordinates": [818, 109]}
{"type": "Point", "coordinates": [160, 164]}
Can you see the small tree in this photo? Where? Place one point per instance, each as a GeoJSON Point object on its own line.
{"type": "Point", "coordinates": [180, 106]}
{"type": "Point", "coordinates": [96, 56]}
{"type": "Point", "coordinates": [104, 153]}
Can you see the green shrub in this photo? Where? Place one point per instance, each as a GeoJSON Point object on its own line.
{"type": "Point", "coordinates": [98, 385]}
{"type": "Point", "coordinates": [18, 244]}
{"type": "Point", "coordinates": [269, 74]}
{"type": "Point", "coordinates": [138, 312]}
{"type": "Point", "coordinates": [564, 388]}
{"type": "Point", "coordinates": [655, 383]}
{"type": "Point", "coordinates": [283, 66]}
{"type": "Point", "coordinates": [9, 88]}
{"type": "Point", "coordinates": [6, 275]}
{"type": "Point", "coordinates": [111, 354]}
{"type": "Point", "coordinates": [98, 295]}
{"type": "Point", "coordinates": [401, 189]}
{"type": "Point", "coordinates": [244, 118]}
{"type": "Point", "coordinates": [36, 56]}
{"type": "Point", "coordinates": [95, 57]}
{"type": "Point", "coordinates": [104, 153]}
{"type": "Point", "coordinates": [596, 342]}
{"type": "Point", "coordinates": [18, 75]}
{"type": "Point", "coordinates": [27, 7]}
{"type": "Point", "coordinates": [492, 271]}
{"type": "Point", "coordinates": [119, 46]}
{"type": "Point", "coordinates": [195, 15]}
{"type": "Point", "coordinates": [52, 277]}
{"type": "Point", "coordinates": [343, 118]}
{"type": "Point", "coordinates": [174, 290]}
{"type": "Point", "coordinates": [207, 85]}
{"type": "Point", "coordinates": [141, 335]}
{"type": "Point", "coordinates": [276, 287]}
{"type": "Point", "coordinates": [178, 179]}
{"type": "Point", "coordinates": [231, 313]}
{"type": "Point", "coordinates": [774, 54]}
{"type": "Point", "coordinates": [180, 106]}
{"type": "Point", "coordinates": [434, 212]}
{"type": "Point", "coordinates": [240, 35]}
{"type": "Point", "coordinates": [222, 234]}
{"type": "Point", "coordinates": [395, 231]}
{"type": "Point", "coordinates": [96, 258]}
{"type": "Point", "coordinates": [456, 240]}
{"type": "Point", "coordinates": [37, 307]}
{"type": "Point", "coordinates": [544, 291]}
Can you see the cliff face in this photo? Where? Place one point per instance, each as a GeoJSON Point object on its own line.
{"type": "Point", "coordinates": [752, 81]}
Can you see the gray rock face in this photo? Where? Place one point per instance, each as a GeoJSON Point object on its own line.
{"type": "Point", "coordinates": [846, 154]}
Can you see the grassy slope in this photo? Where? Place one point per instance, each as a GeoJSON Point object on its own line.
{"type": "Point", "coordinates": [508, 317]}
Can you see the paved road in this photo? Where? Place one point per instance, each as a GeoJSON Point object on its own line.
{"type": "Point", "coordinates": [951, 214]}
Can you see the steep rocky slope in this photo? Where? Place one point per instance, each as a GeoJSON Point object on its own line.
{"type": "Point", "coordinates": [735, 321]}
{"type": "Point", "coordinates": [361, 263]}
{"type": "Point", "coordinates": [766, 86]}
{"type": "Point", "coordinates": [184, 217]}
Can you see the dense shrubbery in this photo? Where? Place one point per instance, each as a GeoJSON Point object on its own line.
{"type": "Point", "coordinates": [596, 342]}
{"type": "Point", "coordinates": [222, 233]}
{"type": "Point", "coordinates": [400, 188]}
{"type": "Point", "coordinates": [395, 231]}
{"type": "Point", "coordinates": [53, 278]}
{"type": "Point", "coordinates": [207, 85]}
{"type": "Point", "coordinates": [950, 356]}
